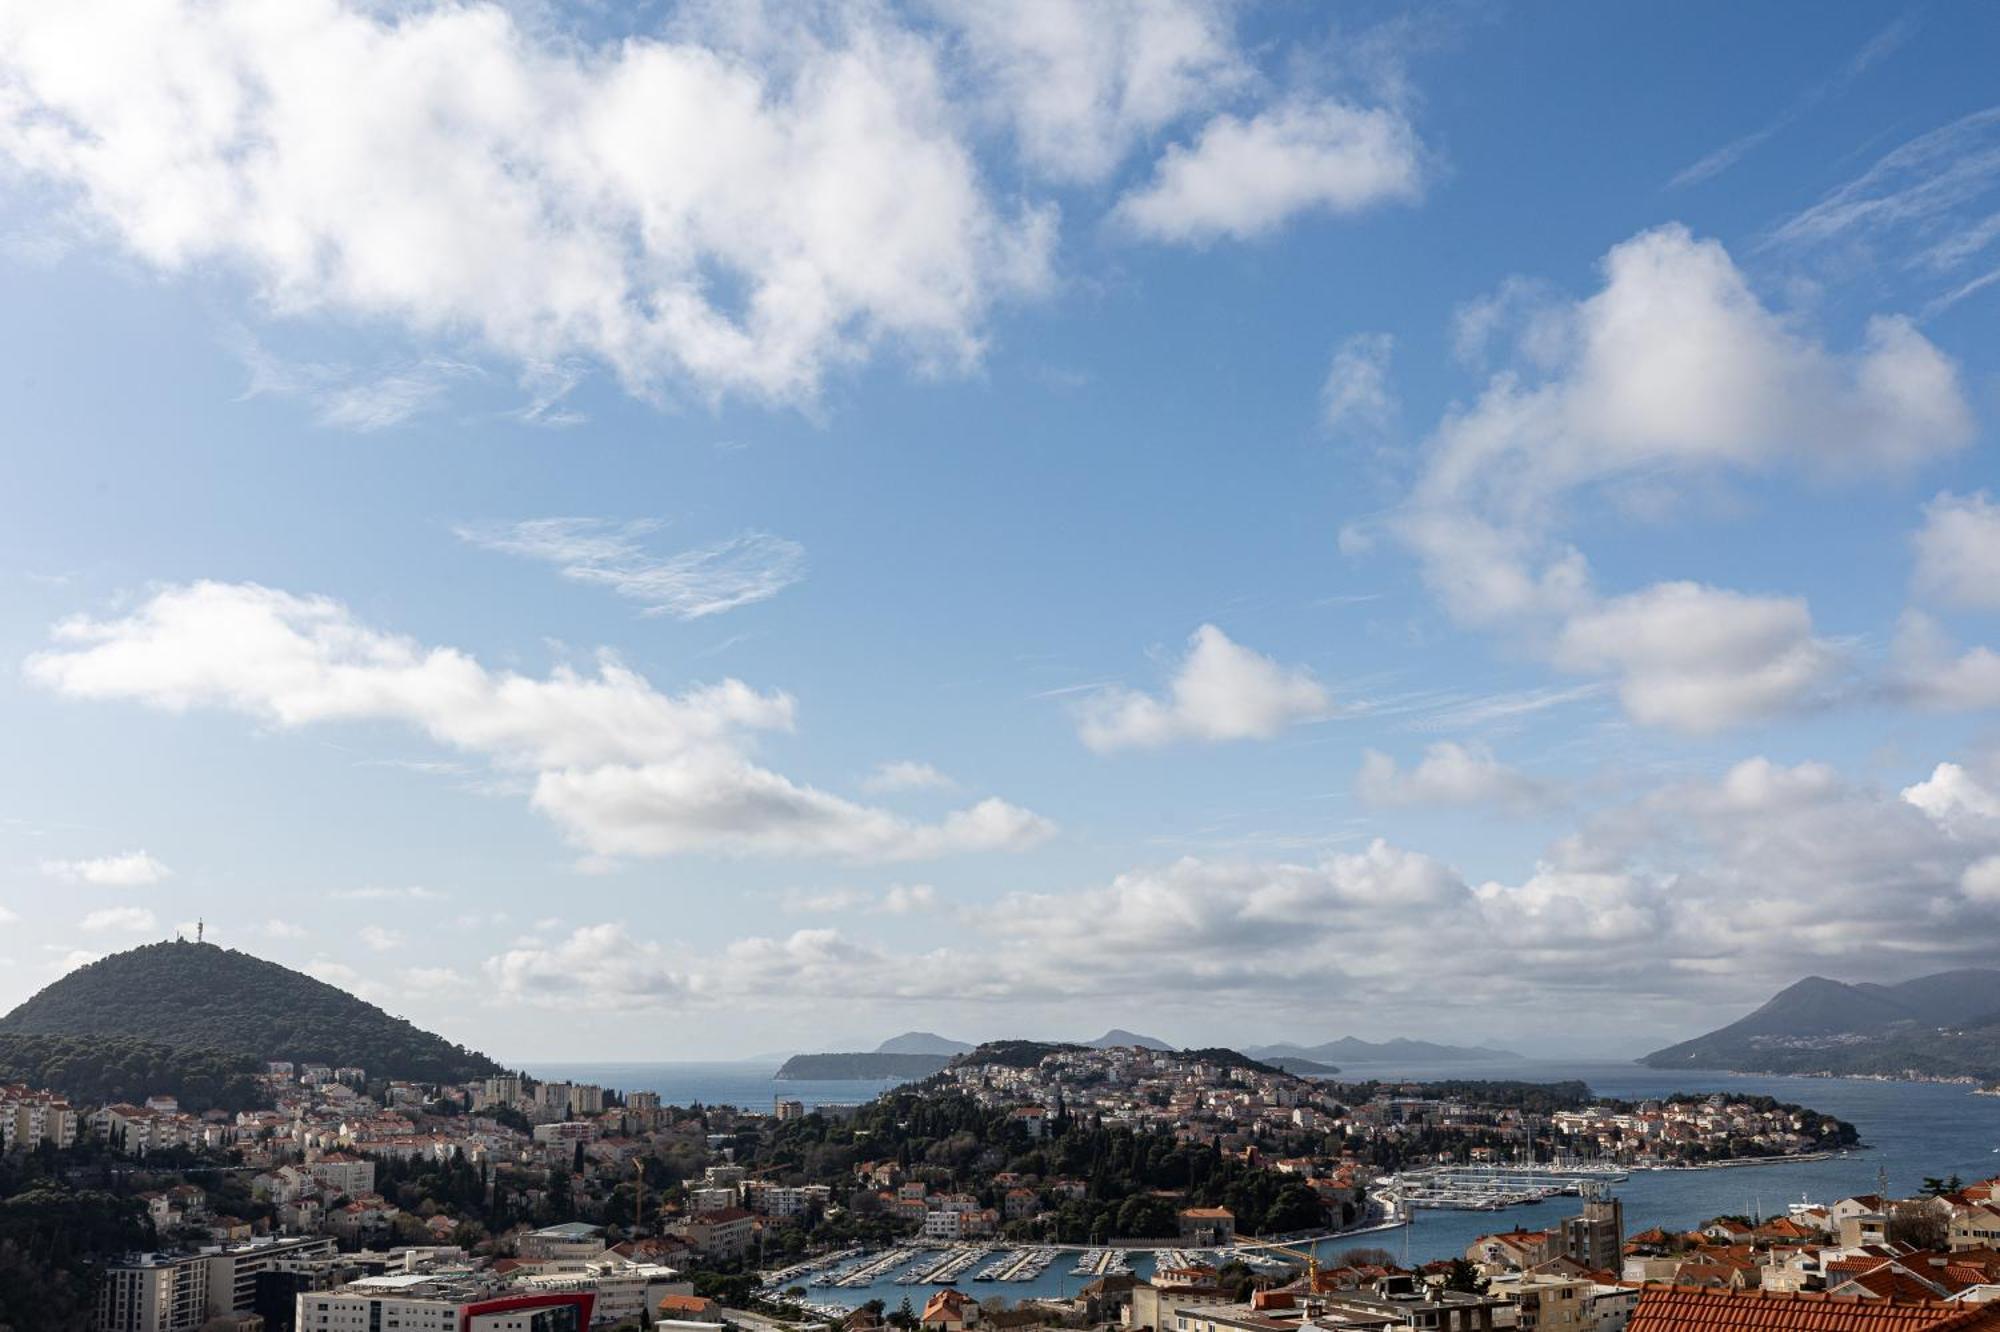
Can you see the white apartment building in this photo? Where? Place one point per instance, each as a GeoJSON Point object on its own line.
{"type": "Point", "coordinates": [444, 1301]}
{"type": "Point", "coordinates": [154, 1292]}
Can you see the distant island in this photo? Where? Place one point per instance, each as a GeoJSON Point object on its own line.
{"type": "Point", "coordinates": [922, 1042]}
{"type": "Point", "coordinates": [1353, 1050]}
{"type": "Point", "coordinates": [1118, 1038]}
{"type": "Point", "coordinates": [1945, 1025]}
{"type": "Point", "coordinates": [860, 1066]}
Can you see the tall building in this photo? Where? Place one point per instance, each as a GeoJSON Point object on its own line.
{"type": "Point", "coordinates": [154, 1292]}
{"type": "Point", "coordinates": [1596, 1238]}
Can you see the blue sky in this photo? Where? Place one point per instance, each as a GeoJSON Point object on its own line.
{"type": "Point", "coordinates": [762, 528]}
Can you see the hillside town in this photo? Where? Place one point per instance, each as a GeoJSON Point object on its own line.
{"type": "Point", "coordinates": [341, 1195]}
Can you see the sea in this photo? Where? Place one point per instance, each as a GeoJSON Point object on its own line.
{"type": "Point", "coordinates": [1909, 1131]}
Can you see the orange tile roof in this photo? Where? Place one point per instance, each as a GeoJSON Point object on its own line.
{"type": "Point", "coordinates": [1684, 1309]}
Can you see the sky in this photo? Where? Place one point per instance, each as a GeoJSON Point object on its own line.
{"type": "Point", "coordinates": [683, 531]}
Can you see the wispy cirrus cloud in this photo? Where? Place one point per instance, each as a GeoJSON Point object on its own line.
{"type": "Point", "coordinates": [1930, 207]}
{"type": "Point", "coordinates": [690, 584]}
{"type": "Point", "coordinates": [1873, 52]}
{"type": "Point", "coordinates": [346, 397]}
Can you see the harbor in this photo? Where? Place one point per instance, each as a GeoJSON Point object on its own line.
{"type": "Point", "coordinates": [1490, 1188]}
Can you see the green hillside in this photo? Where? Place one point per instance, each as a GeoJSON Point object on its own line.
{"type": "Point", "coordinates": [199, 997]}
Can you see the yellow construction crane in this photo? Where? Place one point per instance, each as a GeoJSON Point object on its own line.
{"type": "Point", "coordinates": [1310, 1257]}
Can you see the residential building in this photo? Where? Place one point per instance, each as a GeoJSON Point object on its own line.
{"type": "Point", "coordinates": [153, 1292]}
{"type": "Point", "coordinates": [1207, 1227]}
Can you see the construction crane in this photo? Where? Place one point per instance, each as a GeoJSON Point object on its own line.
{"type": "Point", "coordinates": [1310, 1257]}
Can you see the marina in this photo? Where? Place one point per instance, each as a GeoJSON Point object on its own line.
{"type": "Point", "coordinates": [1101, 1262]}
{"type": "Point", "coordinates": [1489, 1188]}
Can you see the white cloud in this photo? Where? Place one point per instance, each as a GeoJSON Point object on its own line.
{"type": "Point", "coordinates": [1220, 691]}
{"type": "Point", "coordinates": [1958, 551]}
{"type": "Point", "coordinates": [1449, 775]}
{"type": "Point", "coordinates": [137, 920]}
{"type": "Point", "coordinates": [1700, 659]}
{"type": "Point", "coordinates": [380, 939]}
{"type": "Point", "coordinates": [1082, 83]}
{"type": "Point", "coordinates": [7, 917]}
{"type": "Point", "coordinates": [1956, 800]}
{"type": "Point", "coordinates": [599, 963]}
{"type": "Point", "coordinates": [1357, 397]}
{"type": "Point", "coordinates": [1981, 880]}
{"type": "Point", "coordinates": [1926, 207]}
{"type": "Point", "coordinates": [432, 980]}
{"type": "Point", "coordinates": [907, 775]}
{"type": "Point", "coordinates": [133, 869]}
{"type": "Point", "coordinates": [344, 398]}
{"type": "Point", "coordinates": [1654, 913]}
{"type": "Point", "coordinates": [688, 585]}
{"type": "Point", "coordinates": [1927, 669]}
{"type": "Point", "coordinates": [454, 171]}
{"type": "Point", "coordinates": [414, 892]}
{"type": "Point", "coordinates": [1243, 178]}
{"type": "Point", "coordinates": [622, 768]}
{"type": "Point", "coordinates": [282, 929]}
{"type": "Point", "coordinates": [1672, 373]}
{"type": "Point", "coordinates": [898, 899]}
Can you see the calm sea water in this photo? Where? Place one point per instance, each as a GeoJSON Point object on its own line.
{"type": "Point", "coordinates": [1911, 1130]}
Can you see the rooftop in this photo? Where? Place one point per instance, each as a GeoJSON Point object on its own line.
{"type": "Point", "coordinates": [1686, 1309]}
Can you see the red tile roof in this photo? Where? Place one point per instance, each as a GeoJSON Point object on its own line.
{"type": "Point", "coordinates": [1681, 1309]}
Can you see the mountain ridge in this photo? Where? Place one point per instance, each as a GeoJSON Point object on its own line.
{"type": "Point", "coordinates": [1946, 1024]}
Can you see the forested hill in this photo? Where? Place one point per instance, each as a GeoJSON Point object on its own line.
{"type": "Point", "coordinates": [1945, 1025]}
{"type": "Point", "coordinates": [199, 997]}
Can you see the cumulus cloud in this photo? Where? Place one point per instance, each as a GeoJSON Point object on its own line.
{"type": "Point", "coordinates": [908, 775]}
{"type": "Point", "coordinates": [1698, 658]}
{"type": "Point", "coordinates": [1357, 398]}
{"type": "Point", "coordinates": [688, 585]}
{"type": "Point", "coordinates": [1685, 897]}
{"type": "Point", "coordinates": [550, 198]}
{"type": "Point", "coordinates": [1220, 691]}
{"type": "Point", "coordinates": [734, 205]}
{"type": "Point", "coordinates": [133, 869]}
{"type": "Point", "coordinates": [1081, 84]}
{"type": "Point", "coordinates": [1242, 178]}
{"type": "Point", "coordinates": [1449, 775]}
{"type": "Point", "coordinates": [1958, 551]}
{"type": "Point", "coordinates": [135, 920]}
{"type": "Point", "coordinates": [380, 939]}
{"type": "Point", "coordinates": [1929, 670]}
{"type": "Point", "coordinates": [621, 767]}
{"type": "Point", "coordinates": [1672, 372]}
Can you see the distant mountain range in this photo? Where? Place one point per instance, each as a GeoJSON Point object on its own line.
{"type": "Point", "coordinates": [1943, 1025]}
{"type": "Point", "coordinates": [1353, 1050]}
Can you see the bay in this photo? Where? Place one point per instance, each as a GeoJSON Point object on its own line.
{"type": "Point", "coordinates": [1911, 1130]}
